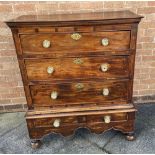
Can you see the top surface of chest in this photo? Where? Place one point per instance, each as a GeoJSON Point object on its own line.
{"type": "Point", "coordinates": [69, 19]}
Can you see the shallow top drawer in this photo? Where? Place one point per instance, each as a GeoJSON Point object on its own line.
{"type": "Point", "coordinates": [71, 42]}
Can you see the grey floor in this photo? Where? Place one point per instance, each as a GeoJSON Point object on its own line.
{"type": "Point", "coordinates": [14, 137]}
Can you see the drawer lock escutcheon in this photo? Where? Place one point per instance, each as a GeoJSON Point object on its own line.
{"type": "Point", "coordinates": [107, 119]}
{"type": "Point", "coordinates": [78, 61]}
{"type": "Point", "coordinates": [79, 86]}
{"type": "Point", "coordinates": [105, 41]}
{"type": "Point", "coordinates": [54, 95]}
{"type": "Point", "coordinates": [46, 43]}
{"type": "Point", "coordinates": [56, 123]}
{"type": "Point", "coordinates": [76, 36]}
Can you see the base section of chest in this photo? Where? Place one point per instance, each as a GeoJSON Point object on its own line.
{"type": "Point", "coordinates": [41, 125]}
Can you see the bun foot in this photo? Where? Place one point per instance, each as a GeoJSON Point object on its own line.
{"type": "Point", "coordinates": [130, 137]}
{"type": "Point", "coordinates": [35, 144]}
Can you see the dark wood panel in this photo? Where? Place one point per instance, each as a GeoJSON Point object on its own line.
{"type": "Point", "coordinates": [69, 68]}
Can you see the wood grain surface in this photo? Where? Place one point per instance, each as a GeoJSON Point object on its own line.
{"type": "Point", "coordinates": [41, 127]}
{"type": "Point", "coordinates": [64, 121]}
{"type": "Point", "coordinates": [66, 68]}
{"type": "Point", "coordinates": [68, 94]}
{"type": "Point", "coordinates": [77, 62]}
{"type": "Point", "coordinates": [62, 42]}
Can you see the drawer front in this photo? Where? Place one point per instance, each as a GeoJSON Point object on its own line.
{"type": "Point", "coordinates": [69, 68]}
{"type": "Point", "coordinates": [67, 125]}
{"type": "Point", "coordinates": [68, 94]}
{"type": "Point", "coordinates": [107, 118]}
{"type": "Point", "coordinates": [58, 122]}
{"type": "Point", "coordinates": [71, 42]}
{"type": "Point", "coordinates": [55, 122]}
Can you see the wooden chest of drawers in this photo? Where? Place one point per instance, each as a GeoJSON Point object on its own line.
{"type": "Point", "coordinates": [77, 71]}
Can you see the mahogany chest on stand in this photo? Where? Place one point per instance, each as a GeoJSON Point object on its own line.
{"type": "Point", "coordinates": [77, 71]}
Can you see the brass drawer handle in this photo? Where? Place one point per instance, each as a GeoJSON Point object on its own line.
{"type": "Point", "coordinates": [105, 41]}
{"type": "Point", "coordinates": [76, 36]}
{"type": "Point", "coordinates": [104, 67]}
{"type": "Point", "coordinates": [56, 123]}
{"type": "Point", "coordinates": [107, 119]}
{"type": "Point", "coordinates": [105, 92]}
{"type": "Point", "coordinates": [54, 95]}
{"type": "Point", "coordinates": [50, 70]}
{"type": "Point", "coordinates": [79, 86]}
{"type": "Point", "coordinates": [78, 61]}
{"type": "Point", "coordinates": [46, 43]}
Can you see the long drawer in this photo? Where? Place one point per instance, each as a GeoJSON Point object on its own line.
{"type": "Point", "coordinates": [75, 42]}
{"type": "Point", "coordinates": [59, 122]}
{"type": "Point", "coordinates": [80, 93]}
{"type": "Point", "coordinates": [69, 68]}
{"type": "Point", "coordinates": [67, 125]}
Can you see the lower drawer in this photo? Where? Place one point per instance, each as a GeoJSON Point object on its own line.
{"type": "Point", "coordinates": [80, 93]}
{"type": "Point", "coordinates": [59, 122]}
{"type": "Point", "coordinates": [42, 125]}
